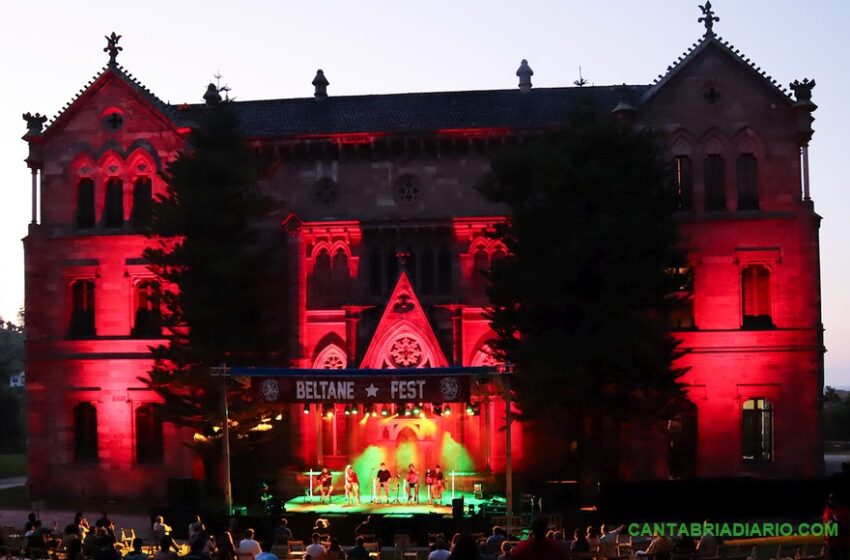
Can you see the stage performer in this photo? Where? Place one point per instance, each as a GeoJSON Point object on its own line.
{"type": "Point", "coordinates": [326, 484]}
{"type": "Point", "coordinates": [437, 485]}
{"type": "Point", "coordinates": [412, 484]}
{"type": "Point", "coordinates": [383, 479]}
{"type": "Point", "coordinates": [352, 485]}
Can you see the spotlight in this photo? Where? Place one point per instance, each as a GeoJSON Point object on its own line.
{"type": "Point", "coordinates": [306, 409]}
{"type": "Point", "coordinates": [279, 417]}
{"type": "Point", "coordinates": [328, 410]}
{"type": "Point", "coordinates": [447, 411]}
{"type": "Point", "coordinates": [354, 411]}
{"type": "Point", "coordinates": [348, 411]}
{"type": "Point", "coordinates": [417, 409]}
{"type": "Point", "coordinates": [469, 410]}
{"type": "Point", "coordinates": [385, 411]}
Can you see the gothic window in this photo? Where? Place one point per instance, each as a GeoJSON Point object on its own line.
{"type": "Point", "coordinates": [149, 442]}
{"type": "Point", "coordinates": [320, 286]}
{"type": "Point", "coordinates": [339, 277]}
{"type": "Point", "coordinates": [715, 183]}
{"type": "Point", "coordinates": [407, 189]}
{"type": "Point", "coordinates": [142, 202]}
{"type": "Point", "coordinates": [113, 210]}
{"type": "Point", "coordinates": [480, 267]}
{"type": "Point", "coordinates": [757, 430]}
{"type": "Point", "coordinates": [85, 432]}
{"type": "Point", "coordinates": [444, 271]}
{"type": "Point", "coordinates": [332, 357]}
{"type": "Point", "coordinates": [82, 309]}
{"type": "Point", "coordinates": [375, 273]}
{"type": "Point", "coordinates": [426, 272]}
{"type": "Point", "coordinates": [681, 313]}
{"type": "Point", "coordinates": [756, 300]}
{"type": "Point", "coordinates": [406, 352]}
{"type": "Point", "coordinates": [85, 204]}
{"type": "Point", "coordinates": [148, 319]}
{"type": "Point", "coordinates": [683, 182]}
{"type": "Point", "coordinates": [748, 196]}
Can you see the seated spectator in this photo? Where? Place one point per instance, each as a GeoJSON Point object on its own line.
{"type": "Point", "coordinates": [579, 543]}
{"type": "Point", "coordinates": [592, 538]}
{"type": "Point", "coordinates": [249, 546]}
{"type": "Point", "coordinates": [196, 551]}
{"type": "Point", "coordinates": [136, 553]}
{"type": "Point", "coordinates": [608, 542]}
{"type": "Point", "coordinates": [316, 551]}
{"type": "Point", "coordinates": [266, 554]}
{"type": "Point", "coordinates": [707, 545]}
{"type": "Point", "coordinates": [358, 551]}
{"type": "Point", "coordinates": [562, 542]}
{"type": "Point", "coordinates": [685, 544]}
{"type": "Point", "coordinates": [167, 549]}
{"type": "Point", "coordinates": [226, 547]}
{"type": "Point", "coordinates": [465, 548]}
{"type": "Point", "coordinates": [661, 548]}
{"type": "Point", "coordinates": [506, 549]}
{"type": "Point", "coordinates": [30, 524]}
{"type": "Point", "coordinates": [105, 547]}
{"type": "Point", "coordinates": [282, 533]}
{"type": "Point", "coordinates": [440, 551]}
{"type": "Point", "coordinates": [537, 546]}
{"type": "Point", "coordinates": [335, 552]}
{"type": "Point", "coordinates": [74, 550]}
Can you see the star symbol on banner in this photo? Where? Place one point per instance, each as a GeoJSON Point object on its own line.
{"type": "Point", "coordinates": [371, 390]}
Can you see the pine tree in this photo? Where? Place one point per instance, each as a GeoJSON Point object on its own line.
{"type": "Point", "coordinates": [579, 307]}
{"type": "Point", "coordinates": [213, 264]}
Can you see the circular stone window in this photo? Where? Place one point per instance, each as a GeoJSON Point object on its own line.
{"type": "Point", "coordinates": [113, 120]}
{"type": "Point", "coordinates": [407, 189]}
{"type": "Point", "coordinates": [326, 190]}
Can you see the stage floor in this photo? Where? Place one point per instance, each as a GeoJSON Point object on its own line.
{"type": "Point", "coordinates": [304, 504]}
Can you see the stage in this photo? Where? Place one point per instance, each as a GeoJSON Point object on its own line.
{"type": "Point", "coordinates": [305, 504]}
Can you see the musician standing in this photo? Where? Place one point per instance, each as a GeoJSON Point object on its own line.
{"type": "Point", "coordinates": [325, 484]}
{"type": "Point", "coordinates": [383, 479]}
{"type": "Point", "coordinates": [352, 485]}
{"type": "Point", "coordinates": [412, 484]}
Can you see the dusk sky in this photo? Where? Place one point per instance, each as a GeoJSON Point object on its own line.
{"type": "Point", "coordinates": [271, 49]}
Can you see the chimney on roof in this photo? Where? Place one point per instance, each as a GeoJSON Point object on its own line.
{"type": "Point", "coordinates": [212, 95]}
{"type": "Point", "coordinates": [321, 84]}
{"type": "Point", "coordinates": [525, 73]}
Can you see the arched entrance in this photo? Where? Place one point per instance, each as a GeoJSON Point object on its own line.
{"type": "Point", "coordinates": [407, 450]}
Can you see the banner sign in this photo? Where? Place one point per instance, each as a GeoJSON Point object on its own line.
{"type": "Point", "coordinates": [362, 389]}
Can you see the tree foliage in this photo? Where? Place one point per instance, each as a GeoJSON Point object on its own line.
{"type": "Point", "coordinates": [12, 421]}
{"type": "Point", "coordinates": [213, 264]}
{"type": "Point", "coordinates": [580, 305]}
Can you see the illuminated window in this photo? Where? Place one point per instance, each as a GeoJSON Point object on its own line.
{"type": "Point", "coordinates": [683, 182]}
{"type": "Point", "coordinates": [480, 267]}
{"type": "Point", "coordinates": [149, 433]}
{"type": "Point", "coordinates": [113, 210]}
{"type": "Point", "coordinates": [340, 279]}
{"type": "Point", "coordinates": [748, 195]}
{"type": "Point", "coordinates": [82, 309]}
{"type": "Point", "coordinates": [757, 430]}
{"type": "Point", "coordinates": [681, 313]}
{"type": "Point", "coordinates": [148, 319]}
{"type": "Point", "coordinates": [715, 183]}
{"type": "Point", "coordinates": [85, 204]}
{"type": "Point", "coordinates": [85, 432]}
{"type": "Point", "coordinates": [142, 202]}
{"type": "Point", "coordinates": [320, 282]}
{"type": "Point", "coordinates": [755, 296]}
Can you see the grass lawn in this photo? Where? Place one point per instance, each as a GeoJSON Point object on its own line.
{"type": "Point", "coordinates": [13, 465]}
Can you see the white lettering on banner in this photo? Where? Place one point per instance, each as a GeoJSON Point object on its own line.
{"type": "Point", "coordinates": [324, 390]}
{"type": "Point", "coordinates": [407, 389]}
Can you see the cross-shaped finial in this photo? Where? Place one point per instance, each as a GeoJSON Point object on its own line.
{"type": "Point", "coordinates": [112, 47]}
{"type": "Point", "coordinates": [708, 18]}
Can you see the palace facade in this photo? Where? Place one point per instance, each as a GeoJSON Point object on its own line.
{"type": "Point", "coordinates": [366, 178]}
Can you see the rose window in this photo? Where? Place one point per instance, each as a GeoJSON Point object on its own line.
{"type": "Point", "coordinates": [333, 362]}
{"type": "Point", "coordinates": [406, 352]}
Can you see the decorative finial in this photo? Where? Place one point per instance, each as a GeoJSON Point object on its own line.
{"type": "Point", "coordinates": [581, 82]}
{"type": "Point", "coordinates": [35, 123]}
{"type": "Point", "coordinates": [525, 73]}
{"type": "Point", "coordinates": [803, 91]}
{"type": "Point", "coordinates": [112, 47]}
{"type": "Point", "coordinates": [708, 18]}
{"type": "Point", "coordinates": [320, 83]}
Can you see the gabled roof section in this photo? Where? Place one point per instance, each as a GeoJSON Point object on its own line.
{"type": "Point", "coordinates": [404, 337]}
{"type": "Point", "coordinates": [117, 72]}
{"type": "Point", "coordinates": [708, 40]}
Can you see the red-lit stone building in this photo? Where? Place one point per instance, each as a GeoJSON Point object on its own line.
{"type": "Point", "coordinates": [363, 178]}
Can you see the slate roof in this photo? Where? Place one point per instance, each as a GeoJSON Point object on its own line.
{"type": "Point", "coordinates": [417, 112]}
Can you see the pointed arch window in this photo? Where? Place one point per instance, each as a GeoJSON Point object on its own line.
{"type": "Point", "coordinates": [683, 182]}
{"type": "Point", "coordinates": [715, 183]}
{"type": "Point", "coordinates": [149, 441]}
{"type": "Point", "coordinates": [480, 267]}
{"type": "Point", "coordinates": [320, 285]}
{"type": "Point", "coordinates": [142, 202]}
{"type": "Point", "coordinates": [339, 278]}
{"type": "Point", "coordinates": [757, 430]}
{"type": "Point", "coordinates": [748, 195]}
{"type": "Point", "coordinates": [85, 433]}
{"type": "Point", "coordinates": [113, 210]}
{"type": "Point", "coordinates": [756, 298]}
{"type": "Point", "coordinates": [148, 317]}
{"type": "Point", "coordinates": [85, 204]}
{"type": "Point", "coordinates": [82, 323]}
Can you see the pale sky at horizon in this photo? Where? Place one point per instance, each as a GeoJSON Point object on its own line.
{"type": "Point", "coordinates": [271, 49]}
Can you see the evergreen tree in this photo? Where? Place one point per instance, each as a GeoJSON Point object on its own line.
{"type": "Point", "coordinates": [12, 416]}
{"type": "Point", "coordinates": [580, 304]}
{"type": "Point", "coordinates": [213, 263]}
